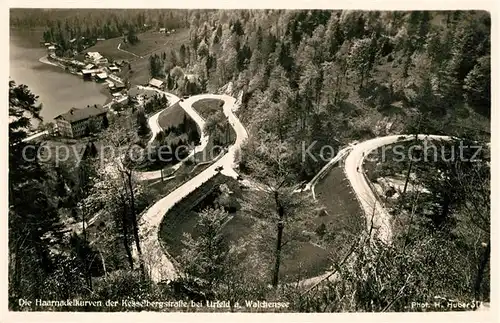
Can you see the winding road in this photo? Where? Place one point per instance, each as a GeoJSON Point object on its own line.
{"type": "Point", "coordinates": [365, 195]}
{"type": "Point", "coordinates": [155, 128]}
{"type": "Point", "coordinates": [157, 263]}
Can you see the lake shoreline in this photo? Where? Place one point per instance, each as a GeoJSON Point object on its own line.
{"type": "Point", "coordinates": [103, 89]}
{"type": "Point", "coordinates": [57, 89]}
{"type": "Point", "coordinates": [45, 60]}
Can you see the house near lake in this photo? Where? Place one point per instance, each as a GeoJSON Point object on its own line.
{"type": "Point", "coordinates": [115, 87]}
{"type": "Point", "coordinates": [114, 68]}
{"type": "Point", "coordinates": [101, 77]}
{"type": "Point", "coordinates": [95, 58]}
{"type": "Point", "coordinates": [51, 49]}
{"type": "Point", "coordinates": [88, 74]}
{"type": "Point", "coordinates": [115, 78]}
{"type": "Point", "coordinates": [75, 122]}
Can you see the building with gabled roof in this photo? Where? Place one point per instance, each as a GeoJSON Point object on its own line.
{"type": "Point", "coordinates": [157, 83]}
{"type": "Point", "coordinates": [100, 77]}
{"type": "Point", "coordinates": [96, 58]}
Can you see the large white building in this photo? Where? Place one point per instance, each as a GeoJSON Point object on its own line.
{"type": "Point", "coordinates": [74, 123]}
{"type": "Point", "coordinates": [96, 58]}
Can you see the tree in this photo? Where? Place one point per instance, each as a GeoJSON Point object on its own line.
{"type": "Point", "coordinates": [94, 125]}
{"type": "Point", "coordinates": [360, 58]}
{"type": "Point", "coordinates": [237, 28]}
{"type": "Point", "coordinates": [334, 36]}
{"type": "Point", "coordinates": [455, 166]}
{"type": "Point", "coordinates": [477, 85]}
{"type": "Point", "coordinates": [217, 126]}
{"type": "Point", "coordinates": [176, 73]}
{"type": "Point", "coordinates": [142, 124]}
{"type": "Point", "coordinates": [281, 208]}
{"type": "Point", "coordinates": [202, 50]}
{"type": "Point", "coordinates": [156, 67]}
{"type": "Point", "coordinates": [132, 37]}
{"type": "Point", "coordinates": [277, 207]}
{"type": "Point", "coordinates": [205, 255]}
{"type": "Point", "coordinates": [122, 173]}
{"type": "Point", "coordinates": [34, 225]}
{"type": "Point", "coordinates": [109, 197]}
{"type": "Point", "coordinates": [333, 84]}
{"type": "Point", "coordinates": [182, 55]}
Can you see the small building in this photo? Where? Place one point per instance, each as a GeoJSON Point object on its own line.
{"type": "Point", "coordinates": [157, 83]}
{"type": "Point", "coordinates": [89, 66]}
{"type": "Point", "coordinates": [101, 77]}
{"type": "Point", "coordinates": [75, 62]}
{"type": "Point", "coordinates": [101, 39]}
{"type": "Point", "coordinates": [72, 41]}
{"type": "Point", "coordinates": [117, 87]}
{"type": "Point", "coordinates": [121, 63]}
{"type": "Point", "coordinates": [113, 68]}
{"type": "Point", "coordinates": [95, 58]}
{"type": "Point", "coordinates": [91, 71]}
{"type": "Point", "coordinates": [75, 122]}
{"type": "Point", "coordinates": [115, 78]}
{"type": "Point", "coordinates": [141, 94]}
{"type": "Point", "coordinates": [51, 49]}
{"type": "Point", "coordinates": [163, 30]}
{"type": "Point", "coordinates": [88, 74]}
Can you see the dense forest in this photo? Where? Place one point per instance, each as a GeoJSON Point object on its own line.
{"type": "Point", "coordinates": [337, 76]}
{"type": "Point", "coordinates": [87, 25]}
{"type": "Point", "coordinates": [329, 77]}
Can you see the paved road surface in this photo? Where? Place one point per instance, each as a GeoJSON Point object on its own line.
{"type": "Point", "coordinates": [155, 129]}
{"type": "Point", "coordinates": [159, 264]}
{"type": "Point", "coordinates": [365, 195]}
{"type": "Point", "coordinates": [36, 135]}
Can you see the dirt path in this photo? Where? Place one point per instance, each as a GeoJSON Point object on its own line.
{"type": "Point", "coordinates": [126, 51]}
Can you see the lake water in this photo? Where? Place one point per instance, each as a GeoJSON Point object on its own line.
{"type": "Point", "coordinates": [58, 90]}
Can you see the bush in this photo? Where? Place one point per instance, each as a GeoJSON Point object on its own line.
{"type": "Point", "coordinates": [321, 230]}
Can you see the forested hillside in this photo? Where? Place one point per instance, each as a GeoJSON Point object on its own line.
{"type": "Point", "coordinates": [62, 25]}
{"type": "Point", "coordinates": [333, 77]}
{"type": "Point", "coordinates": [308, 77]}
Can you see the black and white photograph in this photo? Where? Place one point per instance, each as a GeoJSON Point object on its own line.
{"type": "Point", "coordinates": [249, 160]}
